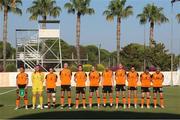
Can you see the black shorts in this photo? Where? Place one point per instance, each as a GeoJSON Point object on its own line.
{"type": "Point", "coordinates": [145, 89]}
{"type": "Point", "coordinates": [51, 90]}
{"type": "Point", "coordinates": [157, 89]}
{"type": "Point", "coordinates": [120, 87]}
{"type": "Point", "coordinates": [22, 86]}
{"type": "Point", "coordinates": [107, 89]}
{"type": "Point", "coordinates": [132, 88]}
{"type": "Point", "coordinates": [93, 88]}
{"type": "Point", "coordinates": [80, 90]}
{"type": "Point", "coordinates": [65, 87]}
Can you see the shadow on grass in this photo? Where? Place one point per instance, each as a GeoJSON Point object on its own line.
{"type": "Point", "coordinates": [97, 114]}
{"type": "Point", "coordinates": [1, 105]}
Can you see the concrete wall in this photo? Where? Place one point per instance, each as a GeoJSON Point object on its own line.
{"type": "Point", "coordinates": [8, 79]}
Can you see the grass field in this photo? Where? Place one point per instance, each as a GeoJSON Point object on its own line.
{"type": "Point", "coordinates": [172, 108]}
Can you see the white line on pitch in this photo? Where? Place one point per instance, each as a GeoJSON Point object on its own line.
{"type": "Point", "coordinates": [7, 92]}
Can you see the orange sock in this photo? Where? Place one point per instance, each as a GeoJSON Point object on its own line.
{"type": "Point", "coordinates": [84, 101]}
{"type": "Point", "coordinates": [148, 101]}
{"type": "Point", "coordinates": [142, 100]}
{"type": "Point", "coordinates": [117, 100]}
{"type": "Point", "coordinates": [98, 100]}
{"type": "Point", "coordinates": [77, 101]}
{"type": "Point", "coordinates": [155, 101]}
{"type": "Point", "coordinates": [124, 100]}
{"type": "Point", "coordinates": [111, 100]}
{"type": "Point", "coordinates": [161, 101]}
{"type": "Point", "coordinates": [26, 102]}
{"type": "Point", "coordinates": [69, 100]}
{"type": "Point", "coordinates": [104, 100]}
{"type": "Point", "coordinates": [129, 100]}
{"type": "Point", "coordinates": [135, 100]}
{"type": "Point", "coordinates": [62, 101]}
{"type": "Point", "coordinates": [90, 100]}
{"type": "Point", "coordinates": [17, 102]}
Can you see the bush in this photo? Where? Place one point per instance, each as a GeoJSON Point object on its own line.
{"type": "Point", "coordinates": [87, 67]}
{"type": "Point", "coordinates": [100, 67]}
{"type": "Point", "coordinates": [73, 68]}
{"type": "Point", "coordinates": [11, 68]}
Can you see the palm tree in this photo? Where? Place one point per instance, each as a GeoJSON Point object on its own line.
{"type": "Point", "coordinates": [79, 7]}
{"type": "Point", "coordinates": [153, 15]}
{"type": "Point", "coordinates": [43, 8]}
{"type": "Point", "coordinates": [117, 8]}
{"type": "Point", "coordinates": [8, 6]}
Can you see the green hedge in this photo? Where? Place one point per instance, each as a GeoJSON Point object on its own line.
{"type": "Point", "coordinates": [11, 68]}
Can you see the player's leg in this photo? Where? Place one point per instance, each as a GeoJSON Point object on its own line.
{"type": "Point", "coordinates": [34, 96]}
{"type": "Point", "coordinates": [117, 95]}
{"type": "Point", "coordinates": [90, 98]}
{"type": "Point", "coordinates": [83, 97]}
{"type": "Point", "coordinates": [26, 99]}
{"type": "Point", "coordinates": [49, 99]}
{"type": "Point", "coordinates": [155, 97]}
{"type": "Point", "coordinates": [104, 98]}
{"type": "Point", "coordinates": [161, 98]}
{"type": "Point", "coordinates": [98, 98]}
{"type": "Point", "coordinates": [124, 98]}
{"type": "Point", "coordinates": [135, 98]}
{"type": "Point", "coordinates": [69, 98]}
{"type": "Point", "coordinates": [129, 98]}
{"type": "Point", "coordinates": [77, 97]}
{"type": "Point", "coordinates": [62, 98]}
{"type": "Point", "coordinates": [148, 99]}
{"type": "Point", "coordinates": [40, 99]}
{"type": "Point", "coordinates": [53, 95]}
{"type": "Point", "coordinates": [17, 99]}
{"type": "Point", "coordinates": [142, 98]}
{"type": "Point", "coordinates": [111, 98]}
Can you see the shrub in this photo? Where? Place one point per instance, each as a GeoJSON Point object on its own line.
{"type": "Point", "coordinates": [100, 67]}
{"type": "Point", "coordinates": [87, 67]}
{"type": "Point", "coordinates": [73, 68]}
{"type": "Point", "coordinates": [11, 68]}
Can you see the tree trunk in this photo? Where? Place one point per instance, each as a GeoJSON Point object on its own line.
{"type": "Point", "coordinates": [118, 38]}
{"type": "Point", "coordinates": [43, 44]}
{"type": "Point", "coordinates": [5, 36]}
{"type": "Point", "coordinates": [78, 22]}
{"type": "Point", "coordinates": [151, 39]}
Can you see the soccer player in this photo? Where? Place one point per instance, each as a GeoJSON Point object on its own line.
{"type": "Point", "coordinates": [80, 78]}
{"type": "Point", "coordinates": [22, 82]}
{"type": "Point", "coordinates": [51, 80]}
{"type": "Point", "coordinates": [94, 77]}
{"type": "Point", "coordinates": [157, 80]}
{"type": "Point", "coordinates": [107, 83]}
{"type": "Point", "coordinates": [120, 77]}
{"type": "Point", "coordinates": [132, 78]}
{"type": "Point", "coordinates": [37, 86]}
{"type": "Point", "coordinates": [145, 79]}
{"type": "Point", "coordinates": [65, 78]}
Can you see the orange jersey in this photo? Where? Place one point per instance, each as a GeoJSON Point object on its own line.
{"type": "Point", "coordinates": [51, 80]}
{"type": "Point", "coordinates": [120, 77]}
{"type": "Point", "coordinates": [107, 78]}
{"type": "Point", "coordinates": [22, 78]}
{"type": "Point", "coordinates": [94, 78]}
{"type": "Point", "coordinates": [65, 77]}
{"type": "Point", "coordinates": [157, 79]}
{"type": "Point", "coordinates": [145, 80]}
{"type": "Point", "coordinates": [80, 78]}
{"type": "Point", "coordinates": [132, 79]}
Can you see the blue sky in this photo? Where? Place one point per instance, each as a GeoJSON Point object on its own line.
{"type": "Point", "coordinates": [95, 29]}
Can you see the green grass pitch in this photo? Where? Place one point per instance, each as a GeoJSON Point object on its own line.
{"type": "Point", "coordinates": [171, 95]}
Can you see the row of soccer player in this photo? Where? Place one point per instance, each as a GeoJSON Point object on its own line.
{"type": "Point", "coordinates": [80, 78]}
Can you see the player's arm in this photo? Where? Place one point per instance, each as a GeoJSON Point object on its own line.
{"type": "Point", "coordinates": [60, 74]}
{"type": "Point", "coordinates": [75, 80]}
{"type": "Point", "coordinates": [162, 78]}
{"type": "Point", "coordinates": [100, 77]}
{"type": "Point", "coordinates": [128, 77]}
{"type": "Point", "coordinates": [112, 80]}
{"type": "Point", "coordinates": [85, 77]}
{"type": "Point", "coordinates": [141, 78]}
{"type": "Point", "coordinates": [17, 82]}
{"type": "Point", "coordinates": [152, 78]}
{"type": "Point", "coordinates": [137, 77]}
{"type": "Point", "coordinates": [46, 81]}
{"type": "Point", "coordinates": [27, 81]}
{"type": "Point", "coordinates": [42, 79]}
